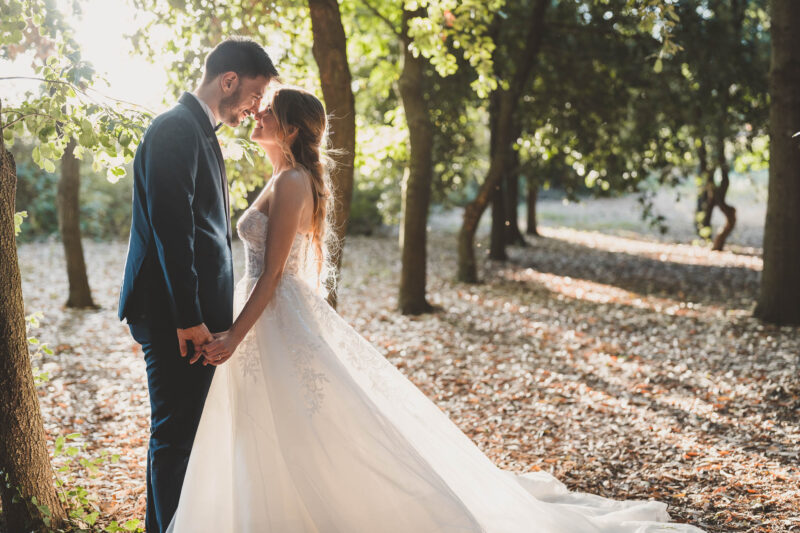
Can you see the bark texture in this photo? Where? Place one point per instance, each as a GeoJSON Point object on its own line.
{"type": "Point", "coordinates": [779, 298]}
{"type": "Point", "coordinates": [24, 458]}
{"type": "Point", "coordinates": [330, 54]}
{"type": "Point", "coordinates": [418, 178]}
{"type": "Point", "coordinates": [69, 209]}
{"type": "Point", "coordinates": [507, 132]}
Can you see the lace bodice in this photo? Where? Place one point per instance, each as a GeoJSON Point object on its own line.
{"type": "Point", "coordinates": [252, 229]}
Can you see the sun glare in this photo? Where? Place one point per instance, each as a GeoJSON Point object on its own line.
{"type": "Point", "coordinates": [100, 31]}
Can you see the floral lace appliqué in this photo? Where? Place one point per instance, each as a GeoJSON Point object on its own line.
{"type": "Point", "coordinates": [312, 381]}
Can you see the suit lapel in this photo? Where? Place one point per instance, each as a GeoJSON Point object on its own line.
{"type": "Point", "coordinates": [224, 174]}
{"type": "Point", "coordinates": [194, 106]}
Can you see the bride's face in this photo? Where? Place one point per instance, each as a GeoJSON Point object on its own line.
{"type": "Point", "coordinates": [266, 130]}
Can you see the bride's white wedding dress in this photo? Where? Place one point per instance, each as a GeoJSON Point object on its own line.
{"type": "Point", "coordinates": [307, 428]}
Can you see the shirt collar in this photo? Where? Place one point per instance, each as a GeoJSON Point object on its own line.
{"type": "Point", "coordinates": [211, 117]}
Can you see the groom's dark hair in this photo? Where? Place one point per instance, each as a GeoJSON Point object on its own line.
{"type": "Point", "coordinates": [241, 55]}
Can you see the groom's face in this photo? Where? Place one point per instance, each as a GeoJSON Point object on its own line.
{"type": "Point", "coordinates": [241, 97]}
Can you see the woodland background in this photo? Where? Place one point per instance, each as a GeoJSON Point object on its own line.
{"type": "Point", "coordinates": [572, 223]}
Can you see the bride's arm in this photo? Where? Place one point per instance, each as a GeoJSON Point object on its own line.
{"type": "Point", "coordinates": [286, 208]}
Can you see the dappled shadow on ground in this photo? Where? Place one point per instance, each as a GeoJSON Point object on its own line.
{"type": "Point", "coordinates": [624, 388]}
{"type": "Point", "coordinates": [680, 272]}
{"type": "Point", "coordinates": [625, 369]}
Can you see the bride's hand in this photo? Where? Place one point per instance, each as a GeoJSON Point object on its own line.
{"type": "Point", "coordinates": [221, 348]}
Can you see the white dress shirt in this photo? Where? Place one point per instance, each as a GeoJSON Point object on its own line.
{"type": "Point", "coordinates": [211, 116]}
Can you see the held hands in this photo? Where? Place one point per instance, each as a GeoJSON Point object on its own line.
{"type": "Point", "coordinates": [199, 336]}
{"type": "Point", "coordinates": [221, 348]}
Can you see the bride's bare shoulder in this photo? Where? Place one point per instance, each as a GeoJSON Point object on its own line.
{"type": "Point", "coordinates": [293, 181]}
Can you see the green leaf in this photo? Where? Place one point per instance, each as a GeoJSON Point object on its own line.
{"type": "Point", "coordinates": [59, 445]}
{"type": "Point", "coordinates": [131, 525]}
{"type": "Point", "coordinates": [48, 165]}
{"type": "Point", "coordinates": [658, 66]}
{"type": "Point", "coordinates": [18, 218]}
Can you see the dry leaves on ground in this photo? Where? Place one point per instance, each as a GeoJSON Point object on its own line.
{"type": "Point", "coordinates": [627, 368]}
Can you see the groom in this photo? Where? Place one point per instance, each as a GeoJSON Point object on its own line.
{"type": "Point", "coordinates": [178, 284]}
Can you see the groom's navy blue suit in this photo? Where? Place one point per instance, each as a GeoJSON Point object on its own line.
{"type": "Point", "coordinates": [178, 274]}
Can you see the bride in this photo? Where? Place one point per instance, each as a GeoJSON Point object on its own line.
{"type": "Point", "coordinates": [309, 429]}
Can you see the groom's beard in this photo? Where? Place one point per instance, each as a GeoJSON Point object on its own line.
{"type": "Point", "coordinates": [227, 108]}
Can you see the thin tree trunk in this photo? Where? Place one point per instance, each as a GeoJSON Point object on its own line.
{"type": "Point", "coordinates": [719, 200]}
{"type": "Point", "coordinates": [497, 234]}
{"type": "Point", "coordinates": [69, 208]}
{"type": "Point", "coordinates": [507, 133]}
{"type": "Point", "coordinates": [497, 238]}
{"type": "Point", "coordinates": [705, 196]}
{"type": "Point", "coordinates": [330, 54]}
{"type": "Point", "coordinates": [418, 178]}
{"type": "Point", "coordinates": [24, 460]}
{"type": "Point", "coordinates": [514, 236]}
{"type": "Point", "coordinates": [533, 193]}
{"type": "Point", "coordinates": [779, 299]}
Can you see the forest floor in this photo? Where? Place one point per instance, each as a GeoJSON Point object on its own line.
{"type": "Point", "coordinates": [626, 367]}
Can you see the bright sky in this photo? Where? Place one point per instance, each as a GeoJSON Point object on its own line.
{"type": "Point", "coordinates": [100, 30]}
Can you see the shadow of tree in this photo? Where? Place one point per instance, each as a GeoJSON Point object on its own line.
{"type": "Point", "coordinates": [699, 283]}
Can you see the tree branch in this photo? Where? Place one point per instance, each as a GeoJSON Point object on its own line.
{"type": "Point", "coordinates": [9, 124]}
{"type": "Point", "coordinates": [79, 89]}
{"type": "Point", "coordinates": [381, 16]}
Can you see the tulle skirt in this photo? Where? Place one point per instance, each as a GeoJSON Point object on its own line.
{"type": "Point", "coordinates": [309, 429]}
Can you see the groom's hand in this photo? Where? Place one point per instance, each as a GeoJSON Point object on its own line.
{"type": "Point", "coordinates": [199, 336]}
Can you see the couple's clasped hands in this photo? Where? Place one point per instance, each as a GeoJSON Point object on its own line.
{"type": "Point", "coordinates": [214, 348]}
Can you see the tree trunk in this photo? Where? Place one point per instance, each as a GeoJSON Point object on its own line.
{"type": "Point", "coordinates": [497, 234]}
{"type": "Point", "coordinates": [533, 193]}
{"type": "Point", "coordinates": [705, 195]}
{"type": "Point", "coordinates": [418, 179]}
{"type": "Point", "coordinates": [507, 133]}
{"type": "Point", "coordinates": [69, 208]}
{"type": "Point", "coordinates": [779, 299]}
{"type": "Point", "coordinates": [330, 54]}
{"type": "Point", "coordinates": [24, 459]}
{"type": "Point", "coordinates": [719, 200]}
{"type": "Point", "coordinates": [513, 234]}
{"type": "Point", "coordinates": [497, 238]}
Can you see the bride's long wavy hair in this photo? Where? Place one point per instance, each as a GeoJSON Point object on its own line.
{"type": "Point", "coordinates": [293, 106]}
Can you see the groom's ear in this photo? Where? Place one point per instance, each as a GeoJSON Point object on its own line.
{"type": "Point", "coordinates": [228, 81]}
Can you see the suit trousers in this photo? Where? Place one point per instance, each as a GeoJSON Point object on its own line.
{"type": "Point", "coordinates": [177, 393]}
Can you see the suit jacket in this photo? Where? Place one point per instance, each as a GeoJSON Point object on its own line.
{"type": "Point", "coordinates": [179, 269]}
